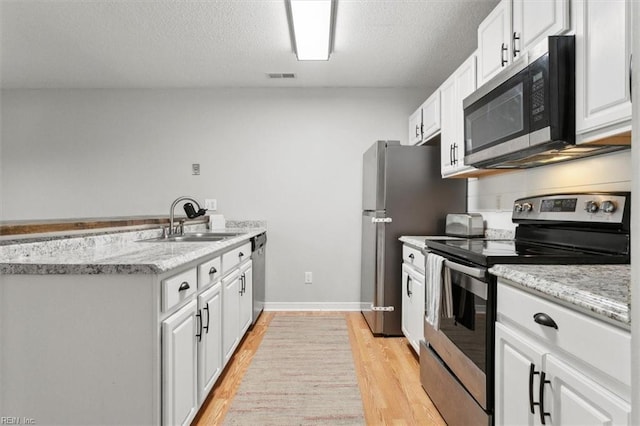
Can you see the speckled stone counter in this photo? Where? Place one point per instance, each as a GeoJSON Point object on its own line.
{"type": "Point", "coordinates": [114, 253]}
{"type": "Point", "coordinates": [415, 242]}
{"type": "Point", "coordinates": [601, 291]}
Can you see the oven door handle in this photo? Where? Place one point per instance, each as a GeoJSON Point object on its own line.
{"type": "Point", "coordinates": [467, 270]}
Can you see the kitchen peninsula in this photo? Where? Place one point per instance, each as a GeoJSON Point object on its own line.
{"type": "Point", "coordinates": [120, 327]}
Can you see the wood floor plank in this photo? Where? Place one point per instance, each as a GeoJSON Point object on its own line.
{"type": "Point", "coordinates": [388, 374]}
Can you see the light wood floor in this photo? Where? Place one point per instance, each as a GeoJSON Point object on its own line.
{"type": "Point", "coordinates": [388, 374]}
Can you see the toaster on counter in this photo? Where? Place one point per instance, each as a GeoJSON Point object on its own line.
{"type": "Point", "coordinates": [465, 225]}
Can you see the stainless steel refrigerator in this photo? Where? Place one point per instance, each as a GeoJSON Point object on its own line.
{"type": "Point", "coordinates": [403, 194]}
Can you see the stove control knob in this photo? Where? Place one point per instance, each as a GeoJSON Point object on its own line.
{"type": "Point", "coordinates": [517, 208]}
{"type": "Point", "coordinates": [608, 206]}
{"type": "Point", "coordinates": [527, 207]}
{"type": "Point", "coordinates": [592, 207]}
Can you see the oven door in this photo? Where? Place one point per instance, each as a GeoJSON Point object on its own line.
{"type": "Point", "coordinates": [464, 340]}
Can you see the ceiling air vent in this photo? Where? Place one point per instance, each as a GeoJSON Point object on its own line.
{"type": "Point", "coordinates": [281, 75]}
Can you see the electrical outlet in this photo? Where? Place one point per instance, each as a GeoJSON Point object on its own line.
{"type": "Point", "coordinates": [308, 277]}
{"type": "Point", "coordinates": [195, 169]}
{"type": "Point", "coordinates": [211, 204]}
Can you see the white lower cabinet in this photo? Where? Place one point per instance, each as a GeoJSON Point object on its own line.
{"type": "Point", "coordinates": [116, 349]}
{"type": "Point", "coordinates": [413, 296]}
{"type": "Point", "coordinates": [246, 297]}
{"type": "Point", "coordinates": [575, 399]}
{"type": "Point", "coordinates": [237, 307]}
{"type": "Point", "coordinates": [179, 366]}
{"type": "Point", "coordinates": [554, 375]}
{"type": "Point", "coordinates": [210, 344]}
{"type": "Point", "coordinates": [231, 286]}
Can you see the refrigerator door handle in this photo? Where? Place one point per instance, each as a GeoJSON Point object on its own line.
{"type": "Point", "coordinates": [382, 308]}
{"type": "Point", "coordinates": [381, 220]}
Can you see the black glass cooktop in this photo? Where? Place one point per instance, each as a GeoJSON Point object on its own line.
{"type": "Point", "coordinates": [490, 252]}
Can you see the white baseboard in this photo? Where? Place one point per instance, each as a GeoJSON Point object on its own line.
{"type": "Point", "coordinates": [312, 306]}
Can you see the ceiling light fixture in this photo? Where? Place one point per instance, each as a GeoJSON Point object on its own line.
{"type": "Point", "coordinates": [311, 26]}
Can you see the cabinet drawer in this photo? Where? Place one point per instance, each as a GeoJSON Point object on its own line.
{"type": "Point", "coordinates": [595, 342]}
{"type": "Point", "coordinates": [209, 272]}
{"type": "Point", "coordinates": [413, 256]}
{"type": "Point", "coordinates": [234, 257]}
{"type": "Point", "coordinates": [178, 288]}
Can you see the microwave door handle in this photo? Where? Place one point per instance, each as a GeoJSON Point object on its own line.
{"type": "Point", "coordinates": [467, 270]}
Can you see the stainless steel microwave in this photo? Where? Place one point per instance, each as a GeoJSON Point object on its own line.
{"type": "Point", "coordinates": [526, 114]}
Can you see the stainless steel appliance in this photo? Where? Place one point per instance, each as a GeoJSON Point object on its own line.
{"type": "Point", "coordinates": [403, 194]}
{"type": "Point", "coordinates": [258, 255]}
{"type": "Point", "coordinates": [525, 116]}
{"type": "Point", "coordinates": [456, 360]}
{"type": "Point", "coordinates": [464, 225]}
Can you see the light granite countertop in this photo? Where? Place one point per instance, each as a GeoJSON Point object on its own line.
{"type": "Point", "coordinates": [417, 241]}
{"type": "Point", "coordinates": [114, 253]}
{"type": "Point", "coordinates": [601, 291]}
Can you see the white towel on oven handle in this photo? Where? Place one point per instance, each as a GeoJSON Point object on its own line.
{"type": "Point", "coordinates": [433, 289]}
{"type": "Point", "coordinates": [447, 296]}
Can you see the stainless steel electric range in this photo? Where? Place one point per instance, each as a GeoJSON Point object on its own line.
{"type": "Point", "coordinates": [457, 359]}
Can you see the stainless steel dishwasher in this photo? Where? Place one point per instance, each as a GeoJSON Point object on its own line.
{"type": "Point", "coordinates": [258, 253]}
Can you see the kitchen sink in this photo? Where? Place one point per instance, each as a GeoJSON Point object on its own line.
{"type": "Point", "coordinates": [195, 237]}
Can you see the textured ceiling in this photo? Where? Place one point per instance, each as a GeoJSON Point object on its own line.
{"type": "Point", "coordinates": [229, 43]}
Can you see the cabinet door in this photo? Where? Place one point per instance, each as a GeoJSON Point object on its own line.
{"type": "Point", "coordinates": [417, 311]}
{"type": "Point", "coordinates": [230, 315]}
{"type": "Point", "coordinates": [452, 93]}
{"type": "Point", "coordinates": [494, 42]}
{"type": "Point", "coordinates": [465, 78]}
{"type": "Point", "coordinates": [246, 299]}
{"type": "Point", "coordinates": [573, 399]}
{"type": "Point", "coordinates": [448, 132]}
{"type": "Point", "coordinates": [534, 20]}
{"type": "Point", "coordinates": [415, 127]}
{"type": "Point", "coordinates": [406, 304]}
{"type": "Point", "coordinates": [517, 378]}
{"type": "Point", "coordinates": [431, 116]}
{"type": "Point", "coordinates": [210, 346]}
{"type": "Point", "coordinates": [179, 379]}
{"type": "Point", "coordinates": [603, 53]}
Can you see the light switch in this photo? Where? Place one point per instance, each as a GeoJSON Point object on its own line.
{"type": "Point", "coordinates": [195, 169]}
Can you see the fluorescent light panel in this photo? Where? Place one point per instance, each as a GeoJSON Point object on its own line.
{"type": "Point", "coordinates": [311, 20]}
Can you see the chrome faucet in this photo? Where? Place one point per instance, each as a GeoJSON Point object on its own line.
{"type": "Point", "coordinates": [179, 230]}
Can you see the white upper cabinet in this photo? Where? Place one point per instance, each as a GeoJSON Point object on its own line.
{"type": "Point", "coordinates": [415, 127]}
{"type": "Point", "coordinates": [534, 20]}
{"type": "Point", "coordinates": [603, 56]}
{"type": "Point", "coordinates": [425, 121]}
{"type": "Point", "coordinates": [431, 116]}
{"type": "Point", "coordinates": [494, 42]}
{"type": "Point", "coordinates": [453, 91]}
{"type": "Point", "coordinates": [513, 27]}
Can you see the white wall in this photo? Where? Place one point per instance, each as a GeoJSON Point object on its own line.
{"type": "Point", "coordinates": [493, 196]}
{"type": "Point", "coordinates": [290, 157]}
